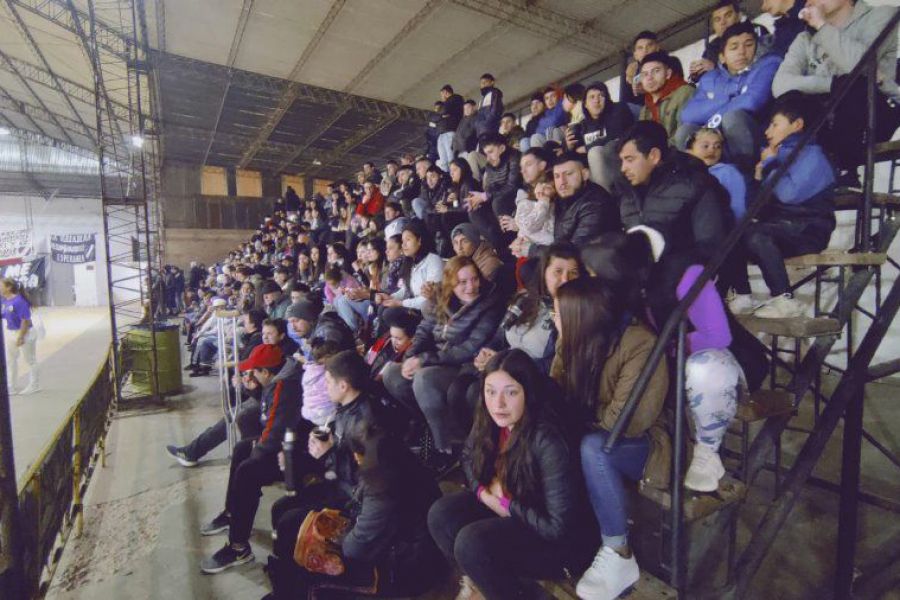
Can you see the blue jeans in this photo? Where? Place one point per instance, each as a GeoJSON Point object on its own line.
{"type": "Point", "coordinates": [445, 150]}
{"type": "Point", "coordinates": [207, 349]}
{"type": "Point", "coordinates": [355, 313]}
{"type": "Point", "coordinates": [604, 474]}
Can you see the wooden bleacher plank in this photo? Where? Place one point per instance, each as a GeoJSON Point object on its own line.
{"type": "Point", "coordinates": [697, 505]}
{"type": "Point", "coordinates": [835, 258]}
{"type": "Point", "coordinates": [887, 150]}
{"type": "Point", "coordinates": [763, 404]}
{"type": "Point", "coordinates": [852, 200]}
{"type": "Point", "coordinates": [798, 327]}
{"type": "Point", "coordinates": [647, 588]}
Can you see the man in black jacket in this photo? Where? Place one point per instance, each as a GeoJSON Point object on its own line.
{"type": "Point", "coordinates": [673, 193]}
{"type": "Point", "coordinates": [582, 211]}
{"type": "Point", "coordinates": [465, 142]}
{"type": "Point", "coordinates": [254, 463]}
{"type": "Point", "coordinates": [491, 108]}
{"type": "Point", "coordinates": [451, 114]}
{"type": "Point", "coordinates": [432, 132]}
{"type": "Point", "coordinates": [502, 179]}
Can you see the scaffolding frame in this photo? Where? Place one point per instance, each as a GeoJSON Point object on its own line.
{"type": "Point", "coordinates": [128, 153]}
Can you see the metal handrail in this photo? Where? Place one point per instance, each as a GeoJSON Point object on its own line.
{"type": "Point", "coordinates": [764, 198]}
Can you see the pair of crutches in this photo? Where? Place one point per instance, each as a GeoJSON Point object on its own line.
{"type": "Point", "coordinates": [227, 335]}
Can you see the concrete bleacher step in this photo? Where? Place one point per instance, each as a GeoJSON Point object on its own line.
{"type": "Point", "coordinates": [647, 588]}
{"type": "Point", "coordinates": [797, 327]}
{"type": "Point", "coordinates": [762, 404]}
{"type": "Point", "coordinates": [837, 258]}
{"type": "Point", "coordinates": [845, 199]}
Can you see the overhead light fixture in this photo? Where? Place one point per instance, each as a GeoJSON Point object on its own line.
{"type": "Point", "coordinates": [4, 131]}
{"type": "Point", "coordinates": [317, 162]}
{"type": "Point", "coordinates": [137, 141]}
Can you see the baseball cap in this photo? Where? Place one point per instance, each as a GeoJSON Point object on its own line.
{"type": "Point", "coordinates": [264, 356]}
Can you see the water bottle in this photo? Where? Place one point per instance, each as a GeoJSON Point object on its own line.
{"type": "Point", "coordinates": [288, 448]}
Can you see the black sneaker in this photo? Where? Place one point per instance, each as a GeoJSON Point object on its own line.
{"type": "Point", "coordinates": [225, 558]}
{"type": "Point", "coordinates": [218, 525]}
{"type": "Point", "coordinates": [181, 456]}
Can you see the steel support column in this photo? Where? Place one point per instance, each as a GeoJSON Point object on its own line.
{"type": "Point", "coordinates": [11, 579]}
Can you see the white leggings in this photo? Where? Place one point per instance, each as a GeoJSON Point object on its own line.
{"type": "Point", "coordinates": [26, 350]}
{"type": "Point", "coordinates": [712, 378]}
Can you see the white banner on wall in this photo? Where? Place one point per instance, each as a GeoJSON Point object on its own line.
{"type": "Point", "coordinates": [15, 245]}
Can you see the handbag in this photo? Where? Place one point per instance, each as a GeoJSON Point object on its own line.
{"type": "Point", "coordinates": [318, 542]}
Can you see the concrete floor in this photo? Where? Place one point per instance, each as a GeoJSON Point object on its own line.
{"type": "Point", "coordinates": [68, 357]}
{"type": "Point", "coordinates": [143, 511]}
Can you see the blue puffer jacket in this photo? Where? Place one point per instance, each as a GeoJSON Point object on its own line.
{"type": "Point", "coordinates": [806, 190]}
{"type": "Point", "coordinates": [720, 92]}
{"type": "Point", "coordinates": [555, 117]}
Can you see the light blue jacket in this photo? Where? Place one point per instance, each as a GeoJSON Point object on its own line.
{"type": "Point", "coordinates": [719, 92]}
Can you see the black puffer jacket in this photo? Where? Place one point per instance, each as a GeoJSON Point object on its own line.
{"type": "Point", "coordinates": [682, 201]}
{"type": "Point", "coordinates": [390, 530]}
{"type": "Point", "coordinates": [555, 517]}
{"type": "Point", "coordinates": [503, 181]}
{"type": "Point", "coordinates": [433, 195]}
{"type": "Point", "coordinates": [612, 124]}
{"type": "Point", "coordinates": [451, 113]}
{"type": "Point", "coordinates": [458, 339]}
{"type": "Point", "coordinates": [466, 139]}
{"type": "Point", "coordinates": [583, 217]}
{"type": "Point", "coordinates": [348, 419]}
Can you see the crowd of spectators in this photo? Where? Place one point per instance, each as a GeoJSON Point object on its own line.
{"type": "Point", "coordinates": [490, 303]}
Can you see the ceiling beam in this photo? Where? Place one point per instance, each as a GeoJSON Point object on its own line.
{"type": "Point", "coordinates": [243, 19]}
{"type": "Point", "coordinates": [36, 50]}
{"type": "Point", "coordinates": [48, 140]}
{"type": "Point", "coordinates": [410, 26]}
{"type": "Point", "coordinates": [293, 90]}
{"type": "Point", "coordinates": [32, 112]}
{"type": "Point", "coordinates": [7, 102]}
{"type": "Point", "coordinates": [72, 19]}
{"type": "Point", "coordinates": [333, 118]}
{"type": "Point", "coordinates": [12, 68]}
{"type": "Point", "coordinates": [352, 142]}
{"type": "Point", "coordinates": [434, 74]}
{"type": "Point", "coordinates": [584, 35]}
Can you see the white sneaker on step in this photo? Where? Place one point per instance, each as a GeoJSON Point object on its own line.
{"type": "Point", "coordinates": [467, 590]}
{"type": "Point", "coordinates": [780, 307]}
{"type": "Point", "coordinates": [610, 575]}
{"type": "Point", "coordinates": [742, 304]}
{"type": "Point", "coordinates": [705, 471]}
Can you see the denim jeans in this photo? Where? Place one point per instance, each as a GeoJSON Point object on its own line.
{"type": "Point", "coordinates": [419, 206]}
{"type": "Point", "coordinates": [445, 150]}
{"type": "Point", "coordinates": [604, 474]}
{"type": "Point", "coordinates": [605, 164]}
{"type": "Point", "coordinates": [355, 313]}
{"type": "Point", "coordinates": [207, 348]}
{"type": "Point", "coordinates": [500, 555]}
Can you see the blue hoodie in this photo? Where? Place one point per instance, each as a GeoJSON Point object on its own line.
{"type": "Point", "coordinates": [555, 117]}
{"type": "Point", "coordinates": [735, 184]}
{"type": "Point", "coordinates": [719, 92]}
{"type": "Point", "coordinates": [806, 189]}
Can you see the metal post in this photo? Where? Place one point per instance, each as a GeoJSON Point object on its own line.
{"type": "Point", "coordinates": [677, 513]}
{"type": "Point", "coordinates": [848, 511]}
{"type": "Point", "coordinates": [869, 181]}
{"type": "Point", "coordinates": [76, 469]}
{"type": "Point", "coordinates": [11, 577]}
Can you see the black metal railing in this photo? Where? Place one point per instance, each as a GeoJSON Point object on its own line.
{"type": "Point", "coordinates": [676, 323]}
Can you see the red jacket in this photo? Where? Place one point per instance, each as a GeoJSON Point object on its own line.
{"type": "Point", "coordinates": [373, 207]}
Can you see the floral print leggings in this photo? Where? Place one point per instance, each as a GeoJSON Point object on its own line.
{"type": "Point", "coordinates": [712, 380]}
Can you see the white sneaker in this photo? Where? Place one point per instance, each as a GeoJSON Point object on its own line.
{"type": "Point", "coordinates": [467, 590]}
{"type": "Point", "coordinates": [705, 471]}
{"type": "Point", "coordinates": [31, 388]}
{"type": "Point", "coordinates": [742, 304]}
{"type": "Point", "coordinates": [610, 576]}
{"type": "Point", "coordinates": [780, 307]}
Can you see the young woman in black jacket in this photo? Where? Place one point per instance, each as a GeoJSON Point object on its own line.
{"type": "Point", "coordinates": [517, 522]}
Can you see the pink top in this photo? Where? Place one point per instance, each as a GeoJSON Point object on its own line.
{"type": "Point", "coordinates": [347, 282]}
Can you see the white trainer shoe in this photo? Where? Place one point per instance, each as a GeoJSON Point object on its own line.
{"type": "Point", "coordinates": [467, 590]}
{"type": "Point", "coordinates": [780, 307]}
{"type": "Point", "coordinates": [610, 576]}
{"type": "Point", "coordinates": [742, 304]}
{"type": "Point", "coordinates": [705, 471]}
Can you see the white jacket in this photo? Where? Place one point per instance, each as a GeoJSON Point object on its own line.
{"type": "Point", "coordinates": [430, 268]}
